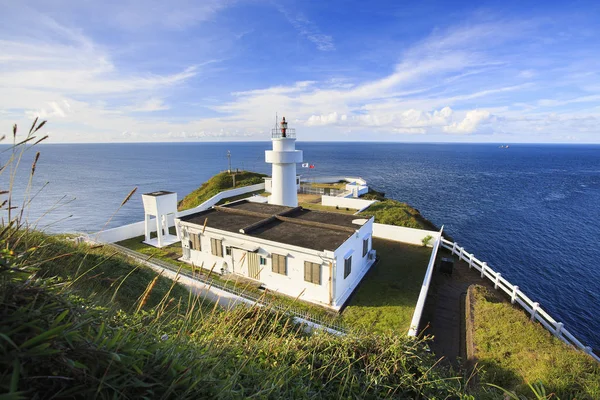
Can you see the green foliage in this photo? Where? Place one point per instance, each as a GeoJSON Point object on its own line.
{"type": "Point", "coordinates": [394, 212]}
{"type": "Point", "coordinates": [513, 351]}
{"type": "Point", "coordinates": [426, 240]}
{"type": "Point", "coordinates": [373, 195]}
{"type": "Point", "coordinates": [218, 183]}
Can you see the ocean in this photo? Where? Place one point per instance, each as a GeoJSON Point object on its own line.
{"type": "Point", "coordinates": [532, 212]}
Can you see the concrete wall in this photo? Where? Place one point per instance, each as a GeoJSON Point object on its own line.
{"type": "Point", "coordinates": [403, 234]}
{"type": "Point", "coordinates": [356, 204]}
{"type": "Point", "coordinates": [137, 228]}
{"type": "Point", "coordinates": [291, 284]}
{"type": "Point", "coordinates": [343, 287]}
{"type": "Point", "coordinates": [331, 179]}
{"type": "Point", "coordinates": [220, 196]}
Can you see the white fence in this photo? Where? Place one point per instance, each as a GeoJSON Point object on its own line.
{"type": "Point", "coordinates": [516, 296]}
{"type": "Point", "coordinates": [416, 319]}
{"type": "Point", "coordinates": [137, 228]}
{"type": "Point", "coordinates": [403, 234]}
{"type": "Point", "coordinates": [346, 202]}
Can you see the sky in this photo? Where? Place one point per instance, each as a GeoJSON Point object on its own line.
{"type": "Point", "coordinates": [220, 70]}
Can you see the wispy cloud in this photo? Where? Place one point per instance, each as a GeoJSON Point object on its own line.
{"type": "Point", "coordinates": [163, 71]}
{"type": "Point", "coordinates": [308, 29]}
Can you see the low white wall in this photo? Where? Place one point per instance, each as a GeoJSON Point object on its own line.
{"type": "Point", "coordinates": [403, 234]}
{"type": "Point", "coordinates": [220, 196]}
{"type": "Point", "coordinates": [416, 318]}
{"type": "Point", "coordinates": [346, 202]}
{"type": "Point", "coordinates": [137, 228]}
{"type": "Point", "coordinates": [332, 179]}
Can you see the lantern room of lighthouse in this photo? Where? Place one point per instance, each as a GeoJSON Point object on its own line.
{"type": "Point", "coordinates": [283, 157]}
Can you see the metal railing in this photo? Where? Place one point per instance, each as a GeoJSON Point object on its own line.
{"type": "Point", "coordinates": [260, 300]}
{"type": "Point", "coordinates": [290, 133]}
{"type": "Point", "coordinates": [517, 296]}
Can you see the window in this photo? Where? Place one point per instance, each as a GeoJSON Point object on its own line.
{"type": "Point", "coordinates": [279, 264]}
{"type": "Point", "coordinates": [227, 251]}
{"type": "Point", "coordinates": [216, 247]}
{"type": "Point", "coordinates": [365, 246]}
{"type": "Point", "coordinates": [347, 266]}
{"type": "Point", "coordinates": [312, 272]}
{"type": "Point", "coordinates": [263, 260]}
{"type": "Point", "coordinates": [195, 242]}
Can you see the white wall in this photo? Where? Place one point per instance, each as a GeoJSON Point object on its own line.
{"type": "Point", "coordinates": [343, 287]}
{"type": "Point", "coordinates": [331, 179]}
{"type": "Point", "coordinates": [291, 284]}
{"type": "Point", "coordinates": [403, 234]}
{"type": "Point", "coordinates": [356, 204]}
{"type": "Point", "coordinates": [137, 228]}
{"type": "Point", "coordinates": [220, 196]}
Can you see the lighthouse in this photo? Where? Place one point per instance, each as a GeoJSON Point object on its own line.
{"type": "Point", "coordinates": [284, 158]}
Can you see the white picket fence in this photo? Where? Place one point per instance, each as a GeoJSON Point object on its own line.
{"type": "Point", "coordinates": [517, 296]}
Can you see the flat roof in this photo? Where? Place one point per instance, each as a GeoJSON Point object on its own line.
{"type": "Point", "coordinates": [316, 230]}
{"type": "Point", "coordinates": [158, 193]}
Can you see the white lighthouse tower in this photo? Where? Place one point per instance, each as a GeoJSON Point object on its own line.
{"type": "Point", "coordinates": [284, 157]}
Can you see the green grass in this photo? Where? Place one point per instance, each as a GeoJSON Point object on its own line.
{"type": "Point", "coordinates": [394, 212]}
{"type": "Point", "coordinates": [65, 337]}
{"type": "Point", "coordinates": [386, 298]}
{"type": "Point", "coordinates": [218, 183]}
{"type": "Point", "coordinates": [320, 207]}
{"type": "Point", "coordinates": [514, 351]}
{"type": "Point", "coordinates": [240, 197]}
{"type": "Point", "coordinates": [336, 185]}
{"type": "Point", "coordinates": [99, 271]}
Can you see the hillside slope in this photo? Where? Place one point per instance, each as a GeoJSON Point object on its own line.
{"type": "Point", "coordinates": [83, 322]}
{"type": "Point", "coordinates": [394, 212]}
{"type": "Point", "coordinates": [218, 183]}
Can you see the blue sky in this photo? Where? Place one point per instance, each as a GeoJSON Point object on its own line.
{"type": "Point", "coordinates": [443, 71]}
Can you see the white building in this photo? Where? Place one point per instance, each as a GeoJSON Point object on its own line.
{"type": "Point", "coordinates": [319, 256]}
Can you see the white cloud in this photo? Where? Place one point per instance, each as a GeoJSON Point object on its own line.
{"type": "Point", "coordinates": [152, 104]}
{"type": "Point", "coordinates": [470, 123]}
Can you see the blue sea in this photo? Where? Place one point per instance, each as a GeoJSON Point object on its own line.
{"type": "Point", "coordinates": [531, 211]}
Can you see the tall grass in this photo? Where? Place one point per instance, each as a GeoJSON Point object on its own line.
{"type": "Point", "coordinates": [83, 322]}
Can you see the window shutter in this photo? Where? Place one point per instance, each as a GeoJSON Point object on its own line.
{"type": "Point", "coordinates": [316, 273]}
{"type": "Point", "coordinates": [278, 263]}
{"type": "Point", "coordinates": [307, 271]}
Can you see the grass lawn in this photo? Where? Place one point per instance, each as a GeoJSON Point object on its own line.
{"type": "Point", "coordinates": [386, 298]}
{"type": "Point", "coordinates": [513, 351]}
{"type": "Point", "coordinates": [336, 185]}
{"type": "Point", "coordinates": [319, 207]}
{"type": "Point", "coordinates": [241, 196]}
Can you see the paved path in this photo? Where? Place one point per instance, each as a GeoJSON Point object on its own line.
{"type": "Point", "coordinates": [444, 309]}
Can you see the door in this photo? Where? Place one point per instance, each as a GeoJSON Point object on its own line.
{"type": "Point", "coordinates": [239, 261]}
{"type": "Point", "coordinates": [253, 265]}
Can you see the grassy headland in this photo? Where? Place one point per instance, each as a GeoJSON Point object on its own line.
{"type": "Point", "coordinates": [218, 183]}
{"type": "Point", "coordinates": [393, 212]}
